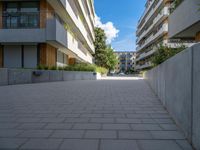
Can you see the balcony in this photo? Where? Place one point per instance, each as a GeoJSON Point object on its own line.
{"type": "Point", "coordinates": [150, 14]}
{"type": "Point", "coordinates": [23, 27]}
{"type": "Point", "coordinates": [146, 54]}
{"type": "Point", "coordinates": [143, 66]}
{"type": "Point", "coordinates": [187, 26]}
{"type": "Point", "coordinates": [25, 24]}
{"type": "Point", "coordinates": [154, 36]}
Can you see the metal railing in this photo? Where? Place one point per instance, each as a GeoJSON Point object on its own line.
{"type": "Point", "coordinates": [21, 19]}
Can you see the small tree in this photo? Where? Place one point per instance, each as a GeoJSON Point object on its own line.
{"type": "Point", "coordinates": [100, 48]}
{"type": "Point", "coordinates": [165, 52]}
{"type": "Point", "coordinates": [112, 58]}
{"type": "Point", "coordinates": [104, 54]}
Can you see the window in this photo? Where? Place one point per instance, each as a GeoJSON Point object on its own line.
{"type": "Point", "coordinates": [21, 15]}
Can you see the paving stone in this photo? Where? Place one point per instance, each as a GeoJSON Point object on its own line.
{"type": "Point", "coordinates": [184, 144]}
{"type": "Point", "coordinates": [114, 116]}
{"type": "Point", "coordinates": [8, 125]}
{"type": "Point", "coordinates": [77, 120]}
{"type": "Point", "coordinates": [167, 121]}
{"type": "Point", "coordinates": [58, 126]}
{"type": "Point", "coordinates": [135, 135]}
{"type": "Point", "coordinates": [169, 126]}
{"type": "Point", "coordinates": [68, 134]}
{"type": "Point", "coordinates": [4, 133]}
{"type": "Point", "coordinates": [82, 112]}
{"type": "Point", "coordinates": [118, 145]}
{"type": "Point", "coordinates": [78, 144]}
{"type": "Point", "coordinates": [89, 126]}
{"type": "Point", "coordinates": [116, 126]}
{"type": "Point", "coordinates": [158, 145]}
{"type": "Point", "coordinates": [31, 126]}
{"type": "Point", "coordinates": [167, 135]}
{"type": "Point", "coordinates": [36, 133]}
{"type": "Point", "coordinates": [102, 120]}
{"type": "Point", "coordinates": [41, 144]}
{"type": "Point", "coordinates": [52, 120]}
{"type": "Point", "coordinates": [11, 143]}
{"type": "Point", "coordinates": [124, 120]}
{"type": "Point", "coordinates": [146, 127]}
{"type": "Point", "coordinates": [101, 134]}
{"type": "Point", "coordinates": [91, 115]}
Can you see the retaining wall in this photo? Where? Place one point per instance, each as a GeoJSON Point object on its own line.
{"type": "Point", "coordinates": [25, 76]}
{"type": "Point", "coordinates": [177, 84]}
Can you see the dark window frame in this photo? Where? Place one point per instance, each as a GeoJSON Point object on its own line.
{"type": "Point", "coordinates": [19, 15]}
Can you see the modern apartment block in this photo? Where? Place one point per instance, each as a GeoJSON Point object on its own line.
{"type": "Point", "coordinates": [152, 30]}
{"type": "Point", "coordinates": [126, 61]}
{"type": "Point", "coordinates": [184, 21]}
{"type": "Point", "coordinates": [46, 32]}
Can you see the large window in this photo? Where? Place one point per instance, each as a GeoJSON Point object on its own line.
{"type": "Point", "coordinates": [21, 14]}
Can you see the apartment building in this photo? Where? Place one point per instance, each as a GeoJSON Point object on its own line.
{"type": "Point", "coordinates": [46, 32]}
{"type": "Point", "coordinates": [184, 21]}
{"type": "Point", "coordinates": [152, 30]}
{"type": "Point", "coordinates": [126, 61]}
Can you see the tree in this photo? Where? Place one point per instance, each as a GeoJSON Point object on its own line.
{"type": "Point", "coordinates": [100, 56]}
{"type": "Point", "coordinates": [104, 54]}
{"type": "Point", "coordinates": [165, 52]}
{"type": "Point", "coordinates": [112, 58]}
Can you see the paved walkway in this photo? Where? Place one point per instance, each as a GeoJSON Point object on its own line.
{"type": "Point", "coordinates": [86, 115]}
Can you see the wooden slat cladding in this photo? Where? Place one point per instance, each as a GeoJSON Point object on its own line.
{"type": "Point", "coordinates": [1, 15]}
{"type": "Point", "coordinates": [46, 12]}
{"type": "Point", "coordinates": [72, 61]}
{"type": "Point", "coordinates": [198, 37]}
{"type": "Point", "coordinates": [47, 55]}
{"type": "Point", "coordinates": [1, 56]}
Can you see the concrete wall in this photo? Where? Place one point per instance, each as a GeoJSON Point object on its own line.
{"type": "Point", "coordinates": [177, 84]}
{"type": "Point", "coordinates": [183, 17]}
{"type": "Point", "coordinates": [24, 76]}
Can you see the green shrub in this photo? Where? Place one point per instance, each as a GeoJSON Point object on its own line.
{"type": "Point", "coordinates": [101, 70]}
{"type": "Point", "coordinates": [77, 67]}
{"type": "Point", "coordinates": [165, 52]}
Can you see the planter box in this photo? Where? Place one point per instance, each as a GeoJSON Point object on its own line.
{"type": "Point", "coordinates": [19, 76]}
{"type": "Point", "coordinates": [3, 77]}
{"type": "Point", "coordinates": [43, 77]}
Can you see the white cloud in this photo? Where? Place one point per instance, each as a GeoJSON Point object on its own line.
{"type": "Point", "coordinates": [110, 30]}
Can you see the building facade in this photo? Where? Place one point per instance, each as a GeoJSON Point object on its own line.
{"type": "Point", "coordinates": [159, 26]}
{"type": "Point", "coordinates": [46, 32]}
{"type": "Point", "coordinates": [125, 61]}
{"type": "Point", "coordinates": [187, 27]}
{"type": "Point", "coordinates": [152, 30]}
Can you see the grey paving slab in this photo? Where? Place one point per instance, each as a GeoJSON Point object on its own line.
{"type": "Point", "coordinates": [36, 133]}
{"type": "Point", "coordinates": [41, 144]}
{"type": "Point", "coordinates": [89, 126]}
{"type": "Point", "coordinates": [78, 144]}
{"type": "Point", "coordinates": [158, 145]}
{"type": "Point", "coordinates": [118, 145]}
{"type": "Point", "coordinates": [11, 143]}
{"type": "Point", "coordinates": [146, 127]}
{"type": "Point", "coordinates": [116, 126]}
{"type": "Point", "coordinates": [135, 135]}
{"type": "Point", "coordinates": [101, 134]}
{"type": "Point", "coordinates": [96, 115]}
{"type": "Point", "coordinates": [68, 134]}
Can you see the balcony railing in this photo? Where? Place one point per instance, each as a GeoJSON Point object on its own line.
{"type": "Point", "coordinates": [21, 20]}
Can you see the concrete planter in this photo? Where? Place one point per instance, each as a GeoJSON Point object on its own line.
{"type": "Point", "coordinates": [3, 76]}
{"type": "Point", "coordinates": [19, 76]}
{"type": "Point", "coordinates": [23, 76]}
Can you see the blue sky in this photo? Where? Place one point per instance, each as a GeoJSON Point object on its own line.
{"type": "Point", "coordinates": [124, 15]}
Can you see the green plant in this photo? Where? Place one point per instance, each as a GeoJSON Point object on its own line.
{"type": "Point", "coordinates": [53, 68]}
{"type": "Point", "coordinates": [165, 52]}
{"type": "Point", "coordinates": [42, 67]}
